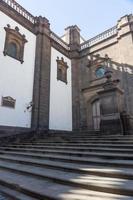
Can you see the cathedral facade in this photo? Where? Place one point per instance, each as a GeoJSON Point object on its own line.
{"type": "Point", "coordinates": [64, 83]}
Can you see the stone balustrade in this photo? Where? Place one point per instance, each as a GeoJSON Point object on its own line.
{"type": "Point", "coordinates": [103, 36]}
{"type": "Point", "coordinates": [18, 8]}
{"type": "Point", "coordinates": [59, 41]}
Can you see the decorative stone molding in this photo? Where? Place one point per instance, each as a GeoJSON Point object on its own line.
{"type": "Point", "coordinates": [62, 70]}
{"type": "Point", "coordinates": [14, 43]}
{"type": "Point", "coordinates": [42, 26]}
{"type": "Point", "coordinates": [8, 102]}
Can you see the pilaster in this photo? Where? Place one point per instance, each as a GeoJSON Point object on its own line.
{"type": "Point", "coordinates": [41, 91]}
{"type": "Point", "coordinates": [74, 43]}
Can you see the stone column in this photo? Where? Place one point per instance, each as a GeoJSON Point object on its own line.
{"type": "Point", "coordinates": [74, 42]}
{"type": "Point", "coordinates": [111, 107]}
{"type": "Point", "coordinates": [41, 90]}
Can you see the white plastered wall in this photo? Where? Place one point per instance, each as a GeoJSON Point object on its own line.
{"type": "Point", "coordinates": [60, 96]}
{"type": "Point", "coordinates": [16, 79]}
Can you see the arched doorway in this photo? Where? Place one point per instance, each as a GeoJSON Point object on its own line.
{"type": "Point", "coordinates": [96, 114]}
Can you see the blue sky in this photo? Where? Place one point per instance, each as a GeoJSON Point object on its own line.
{"type": "Point", "coordinates": [92, 16]}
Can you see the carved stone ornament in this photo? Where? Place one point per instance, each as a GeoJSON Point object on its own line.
{"type": "Point", "coordinates": [62, 70]}
{"type": "Point", "coordinates": [14, 43]}
{"type": "Point", "coordinates": [8, 102]}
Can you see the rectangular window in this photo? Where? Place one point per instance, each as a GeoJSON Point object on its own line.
{"type": "Point", "coordinates": [62, 70]}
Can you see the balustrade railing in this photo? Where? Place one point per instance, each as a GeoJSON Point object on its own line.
{"type": "Point", "coordinates": [99, 38]}
{"type": "Point", "coordinates": [17, 7]}
{"type": "Point", "coordinates": [59, 41]}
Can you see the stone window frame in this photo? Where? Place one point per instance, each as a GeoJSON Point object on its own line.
{"type": "Point", "coordinates": [62, 70]}
{"type": "Point", "coordinates": [8, 102]}
{"type": "Point", "coordinates": [15, 37]}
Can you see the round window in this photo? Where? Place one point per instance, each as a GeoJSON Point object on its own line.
{"type": "Point", "coordinates": [100, 72]}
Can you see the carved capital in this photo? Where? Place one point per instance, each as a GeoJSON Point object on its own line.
{"type": "Point", "coordinates": [42, 25]}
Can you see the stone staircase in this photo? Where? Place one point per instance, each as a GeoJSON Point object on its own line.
{"type": "Point", "coordinates": [68, 166]}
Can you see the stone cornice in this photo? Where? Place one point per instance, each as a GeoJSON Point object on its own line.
{"type": "Point", "coordinates": [11, 12]}
{"type": "Point", "coordinates": [60, 48]}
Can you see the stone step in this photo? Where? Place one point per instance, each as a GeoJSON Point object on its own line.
{"type": "Point", "coordinates": [80, 142]}
{"type": "Point", "coordinates": [80, 135]}
{"type": "Point", "coordinates": [13, 195]}
{"type": "Point", "coordinates": [77, 134]}
{"type": "Point", "coordinates": [113, 138]}
{"type": "Point", "coordinates": [94, 141]}
{"type": "Point", "coordinates": [5, 197]}
{"type": "Point", "coordinates": [67, 145]}
{"type": "Point", "coordinates": [72, 159]}
{"type": "Point", "coordinates": [105, 171]}
{"type": "Point", "coordinates": [78, 149]}
{"type": "Point", "coordinates": [93, 182]}
{"type": "Point", "coordinates": [106, 155]}
{"type": "Point", "coordinates": [68, 168]}
{"type": "Point", "coordinates": [99, 136]}
{"type": "Point", "coordinates": [44, 189]}
{"type": "Point", "coordinates": [86, 139]}
{"type": "Point", "coordinates": [89, 138]}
